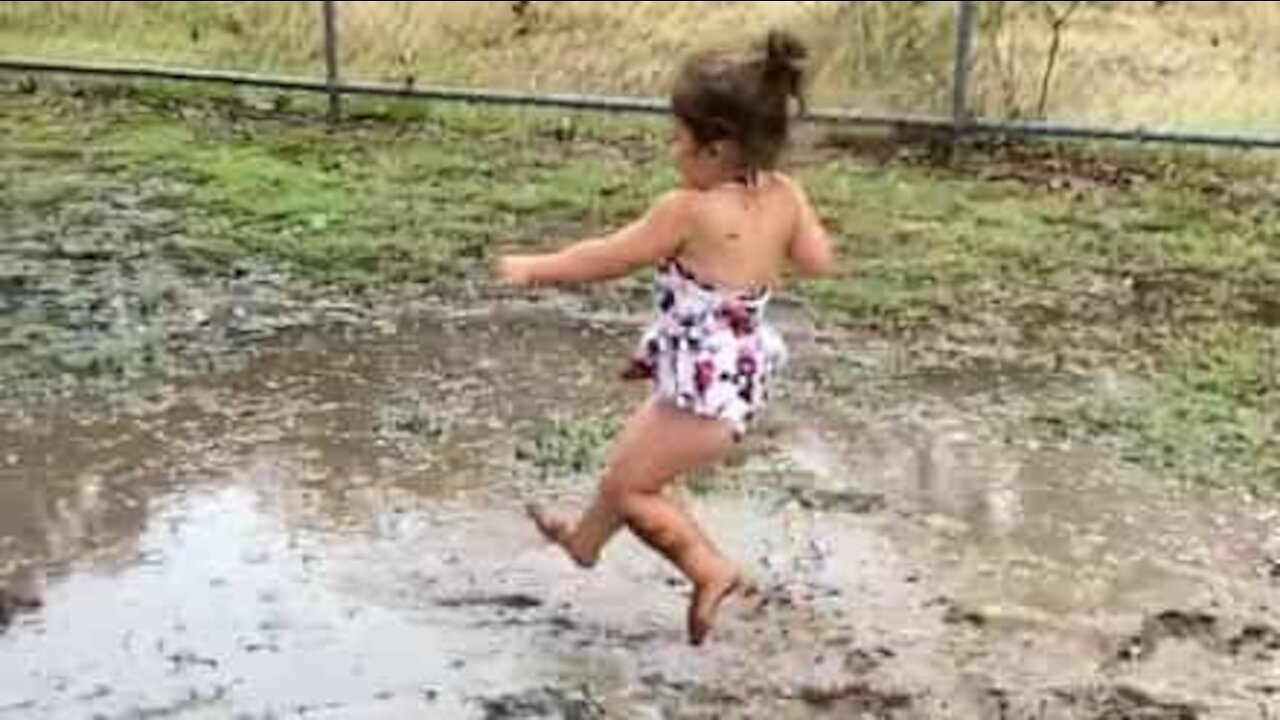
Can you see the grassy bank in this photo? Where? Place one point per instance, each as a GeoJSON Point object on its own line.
{"type": "Point", "coordinates": [1150, 283]}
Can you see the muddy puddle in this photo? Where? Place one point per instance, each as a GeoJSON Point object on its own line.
{"type": "Point", "coordinates": [334, 530]}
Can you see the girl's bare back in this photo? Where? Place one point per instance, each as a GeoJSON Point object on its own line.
{"type": "Point", "coordinates": [746, 235]}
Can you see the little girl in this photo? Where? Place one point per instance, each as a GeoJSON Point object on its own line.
{"type": "Point", "coordinates": [721, 243]}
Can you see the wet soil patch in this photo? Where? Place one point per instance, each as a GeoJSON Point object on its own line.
{"type": "Point", "coordinates": [542, 703]}
{"type": "Point", "coordinates": [350, 507]}
{"type": "Point", "coordinates": [1126, 703]}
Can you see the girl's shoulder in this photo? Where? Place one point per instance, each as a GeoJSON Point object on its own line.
{"type": "Point", "coordinates": [794, 189]}
{"type": "Point", "coordinates": [787, 181]}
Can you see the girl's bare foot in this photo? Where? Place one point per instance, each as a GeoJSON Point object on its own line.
{"type": "Point", "coordinates": [706, 600]}
{"type": "Point", "coordinates": [555, 528]}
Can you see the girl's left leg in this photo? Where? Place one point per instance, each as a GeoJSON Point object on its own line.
{"type": "Point", "coordinates": [596, 527]}
{"type": "Point", "coordinates": [659, 444]}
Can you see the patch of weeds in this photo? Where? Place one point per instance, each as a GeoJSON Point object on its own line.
{"type": "Point", "coordinates": [1170, 429]}
{"type": "Point", "coordinates": [920, 249]}
{"type": "Point", "coordinates": [253, 181]}
{"type": "Point", "coordinates": [759, 467]}
{"type": "Point", "coordinates": [262, 183]}
{"type": "Point", "coordinates": [410, 418]}
{"type": "Point", "coordinates": [415, 426]}
{"type": "Point", "coordinates": [111, 357]}
{"type": "Point", "coordinates": [576, 445]}
{"type": "Point", "coordinates": [1210, 416]}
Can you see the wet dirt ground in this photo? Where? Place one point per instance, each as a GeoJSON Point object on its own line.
{"type": "Point", "coordinates": [333, 530]}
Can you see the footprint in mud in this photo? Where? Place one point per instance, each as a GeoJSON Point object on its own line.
{"type": "Point", "coordinates": [861, 661]}
{"type": "Point", "coordinates": [786, 607]}
{"type": "Point", "coordinates": [556, 620]}
{"type": "Point", "coordinates": [1257, 641]}
{"type": "Point", "coordinates": [1124, 701]}
{"type": "Point", "coordinates": [856, 699]}
{"type": "Point", "coordinates": [955, 614]}
{"type": "Point", "coordinates": [509, 601]}
{"type": "Point", "coordinates": [1171, 625]}
{"type": "Point", "coordinates": [20, 596]}
{"type": "Point", "coordinates": [836, 501]}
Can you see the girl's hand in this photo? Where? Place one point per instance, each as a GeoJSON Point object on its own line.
{"type": "Point", "coordinates": [514, 270]}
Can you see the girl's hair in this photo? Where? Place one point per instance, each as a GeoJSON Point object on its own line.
{"type": "Point", "coordinates": [743, 100]}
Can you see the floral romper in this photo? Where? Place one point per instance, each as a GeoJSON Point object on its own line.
{"type": "Point", "coordinates": [710, 351]}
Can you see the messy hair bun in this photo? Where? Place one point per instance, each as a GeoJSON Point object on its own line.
{"type": "Point", "coordinates": [746, 101]}
{"type": "Point", "coordinates": [784, 57]}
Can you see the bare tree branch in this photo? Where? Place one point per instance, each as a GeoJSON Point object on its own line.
{"type": "Point", "coordinates": [1057, 25]}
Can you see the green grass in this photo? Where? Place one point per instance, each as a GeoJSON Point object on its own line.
{"type": "Point", "coordinates": [1208, 413]}
{"type": "Point", "coordinates": [576, 445]}
{"type": "Point", "coordinates": [428, 199]}
{"type": "Point", "coordinates": [1167, 282]}
{"type": "Point", "coordinates": [1171, 284]}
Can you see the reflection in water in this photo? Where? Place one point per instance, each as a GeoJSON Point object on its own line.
{"type": "Point", "coordinates": [227, 604]}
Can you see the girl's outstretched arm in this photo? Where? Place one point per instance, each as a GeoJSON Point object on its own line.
{"type": "Point", "coordinates": [656, 235]}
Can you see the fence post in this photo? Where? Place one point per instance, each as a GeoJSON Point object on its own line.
{"type": "Point", "coordinates": [331, 58]}
{"type": "Point", "coordinates": [966, 14]}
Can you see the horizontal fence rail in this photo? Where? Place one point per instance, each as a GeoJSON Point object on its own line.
{"type": "Point", "coordinates": [608, 103]}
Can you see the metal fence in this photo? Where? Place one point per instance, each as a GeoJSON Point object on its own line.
{"type": "Point", "coordinates": [961, 122]}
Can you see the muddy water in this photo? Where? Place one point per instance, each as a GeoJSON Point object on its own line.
{"type": "Point", "coordinates": [334, 531]}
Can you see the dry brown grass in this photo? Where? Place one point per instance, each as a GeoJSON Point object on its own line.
{"type": "Point", "coordinates": [1202, 64]}
{"type": "Point", "coordinates": [1210, 64]}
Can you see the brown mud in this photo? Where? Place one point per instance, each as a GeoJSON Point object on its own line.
{"type": "Point", "coordinates": [334, 529]}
